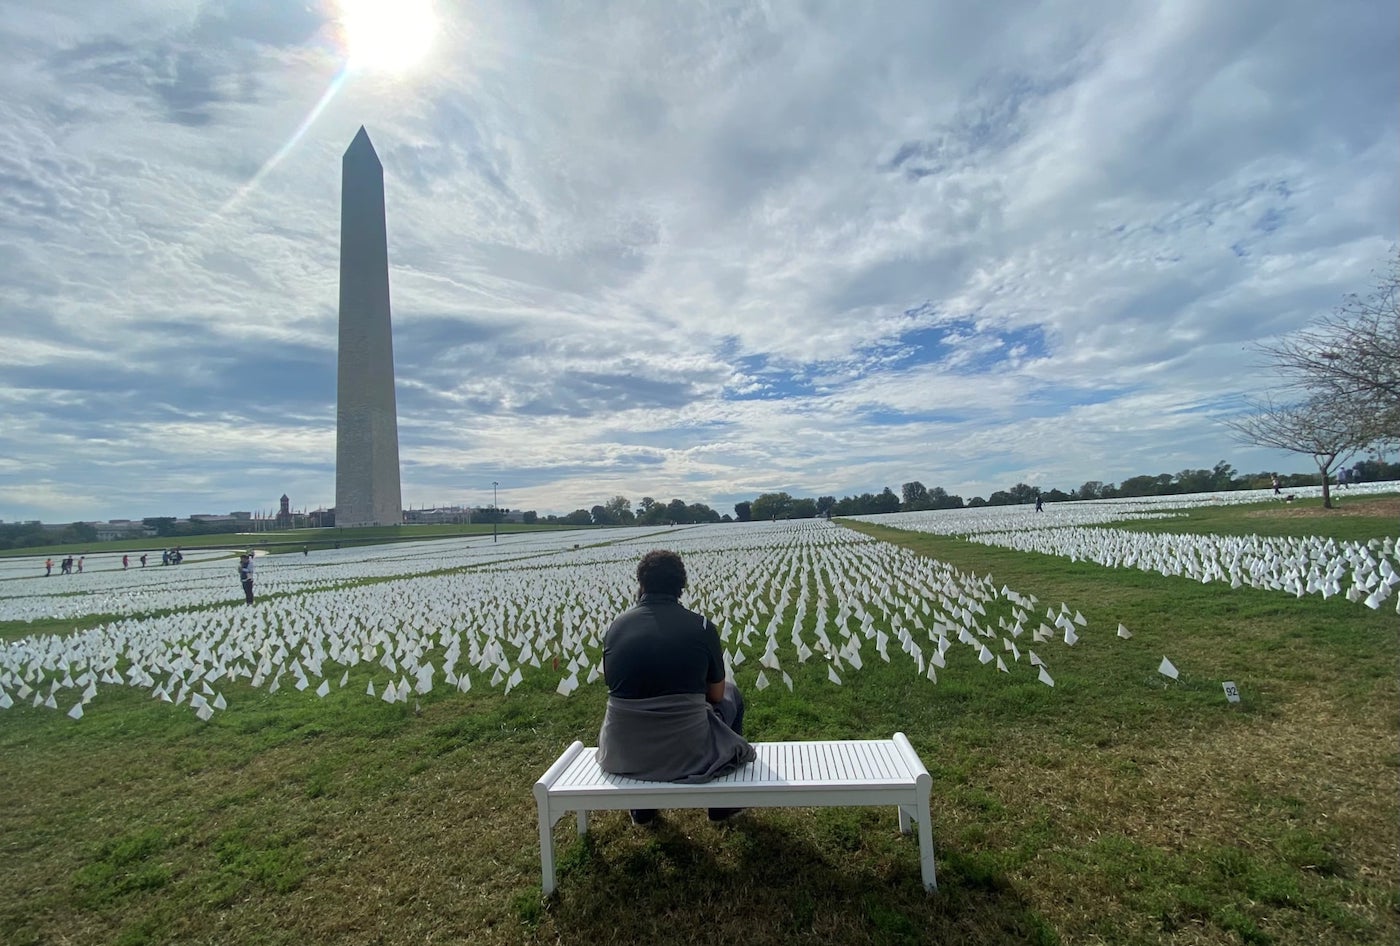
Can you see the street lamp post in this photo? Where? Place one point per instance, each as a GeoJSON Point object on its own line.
{"type": "Point", "coordinates": [495, 510]}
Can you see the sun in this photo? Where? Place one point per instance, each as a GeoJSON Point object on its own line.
{"type": "Point", "coordinates": [386, 35]}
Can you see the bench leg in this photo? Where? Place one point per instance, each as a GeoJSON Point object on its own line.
{"type": "Point", "coordinates": [582, 822]}
{"type": "Point", "coordinates": [926, 868]}
{"type": "Point", "coordinates": [904, 824]}
{"type": "Point", "coordinates": [546, 851]}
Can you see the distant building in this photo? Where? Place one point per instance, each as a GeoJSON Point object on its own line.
{"type": "Point", "coordinates": [116, 530]}
{"type": "Point", "coordinates": [437, 515]}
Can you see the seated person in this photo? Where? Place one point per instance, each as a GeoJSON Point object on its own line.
{"type": "Point", "coordinates": [671, 715]}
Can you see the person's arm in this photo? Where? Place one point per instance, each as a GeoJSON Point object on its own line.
{"type": "Point", "coordinates": [714, 692]}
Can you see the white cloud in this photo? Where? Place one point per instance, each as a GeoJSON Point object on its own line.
{"type": "Point", "coordinates": [957, 243]}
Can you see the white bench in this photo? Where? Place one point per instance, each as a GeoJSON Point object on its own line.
{"type": "Point", "coordinates": [785, 774]}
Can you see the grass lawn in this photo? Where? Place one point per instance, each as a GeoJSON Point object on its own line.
{"type": "Point", "coordinates": [1116, 808]}
{"type": "Point", "coordinates": [1356, 519]}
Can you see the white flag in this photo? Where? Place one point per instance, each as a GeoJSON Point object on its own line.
{"type": "Point", "coordinates": [1166, 669]}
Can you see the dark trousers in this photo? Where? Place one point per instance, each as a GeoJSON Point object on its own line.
{"type": "Point", "coordinates": [730, 709]}
{"type": "Point", "coordinates": [248, 589]}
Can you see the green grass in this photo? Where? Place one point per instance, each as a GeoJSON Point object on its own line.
{"type": "Point", "coordinates": [1118, 807]}
{"type": "Point", "coordinates": [1354, 518]}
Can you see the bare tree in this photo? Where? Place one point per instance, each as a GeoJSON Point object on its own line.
{"type": "Point", "coordinates": [1327, 430]}
{"type": "Point", "coordinates": [1351, 356]}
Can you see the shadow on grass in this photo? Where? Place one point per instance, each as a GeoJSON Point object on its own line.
{"type": "Point", "coordinates": [768, 877]}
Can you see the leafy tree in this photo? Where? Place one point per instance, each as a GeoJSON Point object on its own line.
{"type": "Point", "coordinates": [21, 535]}
{"type": "Point", "coordinates": [1192, 481]}
{"type": "Point", "coordinates": [677, 511]}
{"type": "Point", "coordinates": [938, 498]}
{"type": "Point", "coordinates": [976, 502]}
{"type": "Point", "coordinates": [1092, 489]}
{"type": "Point", "coordinates": [887, 501]}
{"type": "Point", "coordinates": [1002, 498]}
{"type": "Point", "coordinates": [579, 517]}
{"type": "Point", "coordinates": [1024, 493]}
{"type": "Point", "coordinates": [743, 511]}
{"type": "Point", "coordinates": [825, 504]}
{"type": "Point", "coordinates": [772, 506]}
{"type": "Point", "coordinates": [620, 510]}
{"type": "Point", "coordinates": [1146, 485]}
{"type": "Point", "coordinates": [803, 509]}
{"type": "Point", "coordinates": [80, 532]}
{"type": "Point", "coordinates": [601, 516]}
{"type": "Point", "coordinates": [530, 517]}
{"type": "Point", "coordinates": [1222, 476]}
{"type": "Point", "coordinates": [699, 512]}
{"type": "Point", "coordinates": [914, 495]}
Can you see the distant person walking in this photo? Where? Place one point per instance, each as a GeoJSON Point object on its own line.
{"type": "Point", "coordinates": [143, 559]}
{"type": "Point", "coordinates": [126, 562]}
{"type": "Point", "coordinates": [48, 567]}
{"type": "Point", "coordinates": [80, 563]}
{"type": "Point", "coordinates": [1277, 490]}
{"type": "Point", "coordinates": [245, 575]}
{"type": "Point", "coordinates": [1342, 476]}
{"type": "Point", "coordinates": [1039, 503]}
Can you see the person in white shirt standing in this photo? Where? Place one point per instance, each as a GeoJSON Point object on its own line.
{"type": "Point", "coordinates": [245, 575]}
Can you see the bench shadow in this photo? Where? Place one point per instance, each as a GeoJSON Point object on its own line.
{"type": "Point", "coordinates": [774, 876]}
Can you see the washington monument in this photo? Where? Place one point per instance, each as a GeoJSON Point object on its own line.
{"type": "Point", "coordinates": [367, 426]}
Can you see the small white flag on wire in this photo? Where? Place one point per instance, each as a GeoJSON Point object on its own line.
{"type": "Point", "coordinates": [1167, 669]}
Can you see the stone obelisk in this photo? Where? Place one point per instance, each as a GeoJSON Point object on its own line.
{"type": "Point", "coordinates": [367, 426]}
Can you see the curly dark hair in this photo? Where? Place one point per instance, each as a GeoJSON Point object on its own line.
{"type": "Point", "coordinates": [661, 572]}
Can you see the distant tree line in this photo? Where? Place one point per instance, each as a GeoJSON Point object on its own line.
{"type": "Point", "coordinates": [24, 535]}
{"type": "Point", "coordinates": [618, 511]}
{"type": "Point", "coordinates": [914, 496]}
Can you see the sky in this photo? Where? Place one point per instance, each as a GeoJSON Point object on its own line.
{"type": "Point", "coordinates": [701, 251]}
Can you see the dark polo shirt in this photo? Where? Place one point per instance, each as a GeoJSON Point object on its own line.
{"type": "Point", "coordinates": [659, 648]}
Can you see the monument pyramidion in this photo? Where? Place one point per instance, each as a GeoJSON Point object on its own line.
{"type": "Point", "coordinates": [367, 428]}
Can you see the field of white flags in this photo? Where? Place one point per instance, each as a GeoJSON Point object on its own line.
{"type": "Point", "coordinates": [416, 618]}
{"type": "Point", "coordinates": [411, 619]}
{"type": "Point", "coordinates": [1367, 572]}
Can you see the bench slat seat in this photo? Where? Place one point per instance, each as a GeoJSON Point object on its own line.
{"type": "Point", "coordinates": [820, 774]}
